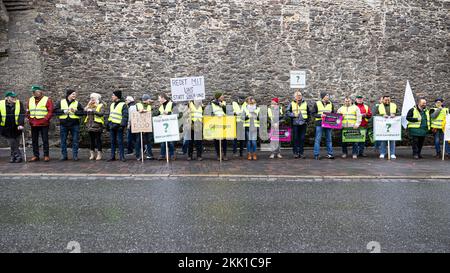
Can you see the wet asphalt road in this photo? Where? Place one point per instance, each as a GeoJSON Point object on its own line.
{"type": "Point", "coordinates": [222, 215]}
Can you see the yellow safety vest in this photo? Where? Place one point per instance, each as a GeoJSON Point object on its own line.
{"type": "Point", "coordinates": [416, 114]}
{"type": "Point", "coordinates": [97, 118]}
{"type": "Point", "coordinates": [349, 115]}
{"type": "Point", "coordinates": [217, 110]}
{"type": "Point", "coordinates": [196, 113]}
{"type": "Point", "coordinates": [438, 122]}
{"type": "Point", "coordinates": [303, 109]}
{"type": "Point", "coordinates": [65, 106]}
{"type": "Point", "coordinates": [322, 109]}
{"type": "Point", "coordinates": [3, 112]}
{"type": "Point", "coordinates": [40, 110]}
{"type": "Point", "coordinates": [270, 113]}
{"type": "Point", "coordinates": [115, 114]}
{"type": "Point", "coordinates": [247, 118]}
{"type": "Point", "coordinates": [168, 108]}
{"type": "Point", "coordinates": [237, 110]}
{"type": "Point", "coordinates": [382, 109]}
{"type": "Point", "coordinates": [140, 106]}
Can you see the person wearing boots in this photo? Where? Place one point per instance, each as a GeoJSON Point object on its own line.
{"type": "Point", "coordinates": [94, 123]}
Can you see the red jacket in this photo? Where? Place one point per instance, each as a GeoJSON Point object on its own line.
{"type": "Point", "coordinates": [365, 120]}
{"type": "Point", "coordinates": [42, 121]}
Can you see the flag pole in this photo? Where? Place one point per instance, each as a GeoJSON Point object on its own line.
{"type": "Point", "coordinates": [443, 150]}
{"type": "Point", "coordinates": [167, 152]}
{"type": "Point", "coordinates": [389, 150]}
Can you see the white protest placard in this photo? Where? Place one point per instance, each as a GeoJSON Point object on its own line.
{"type": "Point", "coordinates": [165, 128]}
{"type": "Point", "coordinates": [141, 122]}
{"type": "Point", "coordinates": [189, 88]}
{"type": "Point", "coordinates": [447, 128]}
{"type": "Point", "coordinates": [298, 79]}
{"type": "Point", "coordinates": [387, 129]}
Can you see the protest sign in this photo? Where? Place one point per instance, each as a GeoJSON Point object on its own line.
{"type": "Point", "coordinates": [387, 129]}
{"type": "Point", "coordinates": [350, 135]}
{"type": "Point", "coordinates": [298, 79]}
{"type": "Point", "coordinates": [189, 88]}
{"type": "Point", "coordinates": [447, 128]}
{"type": "Point", "coordinates": [284, 134]}
{"type": "Point", "coordinates": [165, 128]}
{"type": "Point", "coordinates": [332, 121]}
{"type": "Point", "coordinates": [216, 128]}
{"type": "Point", "coordinates": [141, 122]}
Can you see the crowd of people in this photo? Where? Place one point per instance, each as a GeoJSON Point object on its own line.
{"type": "Point", "coordinates": [96, 117]}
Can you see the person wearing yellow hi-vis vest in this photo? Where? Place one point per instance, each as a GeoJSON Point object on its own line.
{"type": "Point", "coordinates": [69, 111]}
{"type": "Point", "coordinates": [238, 111]}
{"type": "Point", "coordinates": [166, 107]}
{"type": "Point", "coordinates": [387, 109]}
{"type": "Point", "coordinates": [143, 107]}
{"type": "Point", "coordinates": [275, 114]}
{"type": "Point", "coordinates": [351, 119]}
{"type": "Point", "coordinates": [39, 114]}
{"type": "Point", "coordinates": [94, 123]}
{"type": "Point", "coordinates": [438, 115]}
{"type": "Point", "coordinates": [320, 108]}
{"type": "Point", "coordinates": [251, 125]}
{"type": "Point", "coordinates": [299, 112]}
{"type": "Point", "coordinates": [219, 108]}
{"type": "Point", "coordinates": [12, 118]}
{"type": "Point", "coordinates": [419, 124]}
{"type": "Point", "coordinates": [196, 124]}
{"type": "Point", "coordinates": [117, 123]}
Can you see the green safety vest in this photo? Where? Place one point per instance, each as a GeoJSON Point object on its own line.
{"type": "Point", "coordinates": [3, 112]}
{"type": "Point", "coordinates": [115, 114]}
{"type": "Point", "coordinates": [65, 106]}
{"type": "Point", "coordinates": [40, 110]}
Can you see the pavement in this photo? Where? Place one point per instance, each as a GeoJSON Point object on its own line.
{"type": "Point", "coordinates": [371, 167]}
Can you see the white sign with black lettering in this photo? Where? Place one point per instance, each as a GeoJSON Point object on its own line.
{"type": "Point", "coordinates": [186, 89]}
{"type": "Point", "coordinates": [447, 128]}
{"type": "Point", "coordinates": [165, 128]}
{"type": "Point", "coordinates": [298, 79]}
{"type": "Point", "coordinates": [387, 129]}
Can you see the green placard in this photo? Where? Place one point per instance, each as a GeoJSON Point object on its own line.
{"type": "Point", "coordinates": [354, 135]}
{"type": "Point", "coordinates": [371, 138]}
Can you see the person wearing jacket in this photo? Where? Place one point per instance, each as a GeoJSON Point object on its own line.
{"type": "Point", "coordinates": [419, 124]}
{"type": "Point", "coordinates": [275, 113]}
{"type": "Point", "coordinates": [131, 138]}
{"type": "Point", "coordinates": [117, 122]}
{"type": "Point", "coordinates": [387, 109]}
{"type": "Point", "coordinates": [69, 111]}
{"type": "Point", "coordinates": [12, 119]}
{"type": "Point", "coordinates": [39, 114]}
{"type": "Point", "coordinates": [143, 107]}
{"type": "Point", "coordinates": [320, 108]}
{"type": "Point", "coordinates": [219, 108]}
{"type": "Point", "coordinates": [366, 115]}
{"type": "Point", "coordinates": [351, 120]}
{"type": "Point", "coordinates": [438, 115]}
{"type": "Point", "coordinates": [251, 125]}
{"type": "Point", "coordinates": [196, 117]}
{"type": "Point", "coordinates": [299, 112]}
{"type": "Point", "coordinates": [94, 123]}
{"type": "Point", "coordinates": [238, 109]}
{"type": "Point", "coordinates": [166, 107]}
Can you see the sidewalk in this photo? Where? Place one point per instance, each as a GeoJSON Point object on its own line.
{"type": "Point", "coordinates": [370, 167]}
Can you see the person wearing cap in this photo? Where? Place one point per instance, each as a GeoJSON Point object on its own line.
{"type": "Point", "coordinates": [12, 119]}
{"type": "Point", "coordinates": [351, 119]}
{"type": "Point", "coordinates": [117, 122]}
{"type": "Point", "coordinates": [419, 124]}
{"type": "Point", "coordinates": [251, 125]}
{"type": "Point", "coordinates": [238, 111]}
{"type": "Point", "coordinates": [94, 123]}
{"type": "Point", "coordinates": [366, 115]}
{"type": "Point", "coordinates": [219, 108]}
{"type": "Point", "coordinates": [145, 106]}
{"type": "Point", "coordinates": [438, 115]}
{"type": "Point", "coordinates": [69, 112]}
{"type": "Point", "coordinates": [275, 114]}
{"type": "Point", "coordinates": [39, 114]}
{"type": "Point", "coordinates": [131, 138]}
{"type": "Point", "coordinates": [387, 109]}
{"type": "Point", "coordinates": [196, 130]}
{"type": "Point", "coordinates": [299, 112]}
{"type": "Point", "coordinates": [166, 107]}
{"type": "Point", "coordinates": [320, 108]}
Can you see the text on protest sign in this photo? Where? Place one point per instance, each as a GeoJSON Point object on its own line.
{"type": "Point", "coordinates": [447, 128]}
{"type": "Point", "coordinates": [215, 127]}
{"type": "Point", "coordinates": [298, 79]}
{"type": "Point", "coordinates": [350, 135]}
{"type": "Point", "coordinates": [165, 128]}
{"type": "Point", "coordinates": [141, 122]}
{"type": "Point", "coordinates": [387, 129]}
{"type": "Point", "coordinates": [189, 88]}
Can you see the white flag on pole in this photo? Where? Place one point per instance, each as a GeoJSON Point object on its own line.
{"type": "Point", "coordinates": [408, 103]}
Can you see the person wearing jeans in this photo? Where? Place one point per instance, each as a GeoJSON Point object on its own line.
{"type": "Point", "coordinates": [387, 109]}
{"type": "Point", "coordinates": [298, 112]}
{"type": "Point", "coordinates": [251, 125]}
{"type": "Point", "coordinates": [320, 108]}
{"type": "Point", "coordinates": [117, 122]}
{"type": "Point", "coordinates": [438, 115]}
{"type": "Point", "coordinates": [351, 120]}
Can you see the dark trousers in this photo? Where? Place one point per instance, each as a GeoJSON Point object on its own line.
{"type": "Point", "coordinates": [417, 145]}
{"type": "Point", "coordinates": [298, 133]}
{"type": "Point", "coordinates": [96, 141]}
{"type": "Point", "coordinates": [217, 147]}
{"type": "Point", "coordinates": [131, 141]}
{"type": "Point", "coordinates": [117, 135]}
{"type": "Point", "coordinates": [14, 145]}
{"type": "Point", "coordinates": [146, 138]}
{"type": "Point", "coordinates": [198, 145]}
{"type": "Point", "coordinates": [240, 144]}
{"type": "Point", "coordinates": [75, 132]}
{"type": "Point", "coordinates": [43, 131]}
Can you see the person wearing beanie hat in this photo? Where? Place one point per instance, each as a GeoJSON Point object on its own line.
{"type": "Point", "coordinates": [299, 113]}
{"type": "Point", "coordinates": [238, 111]}
{"type": "Point", "coordinates": [12, 119]}
{"type": "Point", "coordinates": [166, 107]}
{"type": "Point", "coordinates": [70, 112]}
{"type": "Point", "coordinates": [320, 108]}
{"type": "Point", "coordinates": [219, 108]}
{"type": "Point", "coordinates": [275, 113]}
{"type": "Point", "coordinates": [94, 123]}
{"type": "Point", "coordinates": [438, 115]}
{"type": "Point", "coordinates": [117, 123]}
{"type": "Point", "coordinates": [39, 114]}
{"type": "Point", "coordinates": [144, 106]}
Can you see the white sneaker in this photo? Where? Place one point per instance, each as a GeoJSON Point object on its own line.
{"type": "Point", "coordinates": [393, 157]}
{"type": "Point", "coordinates": [272, 156]}
{"type": "Point", "coordinates": [355, 157]}
{"type": "Point", "coordinates": [279, 156]}
{"type": "Point", "coordinates": [381, 156]}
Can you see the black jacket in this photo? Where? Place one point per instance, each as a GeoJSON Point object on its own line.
{"type": "Point", "coordinates": [10, 128]}
{"type": "Point", "coordinates": [68, 122]}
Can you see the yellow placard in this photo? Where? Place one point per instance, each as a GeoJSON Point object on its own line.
{"type": "Point", "coordinates": [219, 127]}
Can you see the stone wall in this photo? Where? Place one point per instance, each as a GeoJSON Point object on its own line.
{"type": "Point", "coordinates": [245, 47]}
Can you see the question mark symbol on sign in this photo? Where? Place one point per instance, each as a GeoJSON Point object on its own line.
{"type": "Point", "coordinates": [388, 125]}
{"type": "Point", "coordinates": [298, 78]}
{"type": "Point", "coordinates": [374, 247]}
{"type": "Point", "coordinates": [165, 125]}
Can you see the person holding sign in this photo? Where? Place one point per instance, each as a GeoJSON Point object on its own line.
{"type": "Point", "coordinates": [299, 112]}
{"type": "Point", "coordinates": [238, 111]}
{"type": "Point", "coordinates": [251, 125]}
{"type": "Point", "coordinates": [320, 108]}
{"type": "Point", "coordinates": [351, 120]}
{"type": "Point", "coordinates": [12, 119]}
{"type": "Point", "coordinates": [387, 109]}
{"type": "Point", "coordinates": [117, 122]}
{"type": "Point", "coordinates": [94, 123]}
{"type": "Point", "coordinates": [438, 115]}
{"type": "Point", "coordinates": [366, 115]}
{"type": "Point", "coordinates": [419, 124]}
{"type": "Point", "coordinates": [166, 108]}
{"type": "Point", "coordinates": [219, 109]}
{"type": "Point", "coordinates": [196, 111]}
{"type": "Point", "coordinates": [144, 107]}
